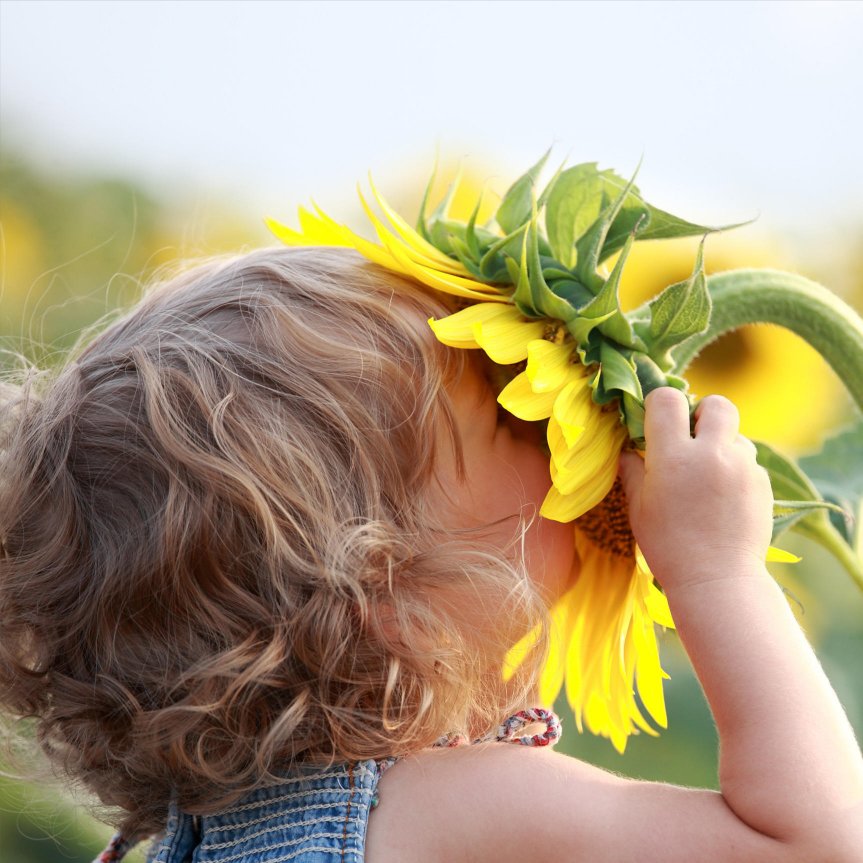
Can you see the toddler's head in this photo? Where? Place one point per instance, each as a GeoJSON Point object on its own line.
{"type": "Point", "coordinates": [230, 537]}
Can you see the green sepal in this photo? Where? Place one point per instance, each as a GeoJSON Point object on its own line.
{"type": "Point", "coordinates": [422, 228]}
{"type": "Point", "coordinates": [501, 246]}
{"type": "Point", "coordinates": [523, 295]}
{"type": "Point", "coordinates": [604, 311]}
{"type": "Point", "coordinates": [618, 371]}
{"type": "Point", "coordinates": [573, 206]}
{"type": "Point", "coordinates": [632, 411]}
{"type": "Point", "coordinates": [655, 224]}
{"type": "Point", "coordinates": [589, 246]}
{"type": "Point", "coordinates": [463, 253]}
{"type": "Point", "coordinates": [515, 208]}
{"type": "Point", "coordinates": [470, 233]}
{"type": "Point", "coordinates": [576, 294]}
{"type": "Point", "coordinates": [435, 232]}
{"type": "Point", "coordinates": [551, 270]}
{"type": "Point", "coordinates": [582, 328]}
{"type": "Point", "coordinates": [680, 311]}
{"type": "Point", "coordinates": [545, 301]}
{"type": "Point", "coordinates": [549, 187]}
{"type": "Point", "coordinates": [651, 376]}
{"type": "Point", "coordinates": [589, 348]}
{"type": "Point", "coordinates": [442, 230]}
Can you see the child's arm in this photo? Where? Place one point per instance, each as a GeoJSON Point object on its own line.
{"type": "Point", "coordinates": [791, 774]}
{"type": "Point", "coordinates": [789, 764]}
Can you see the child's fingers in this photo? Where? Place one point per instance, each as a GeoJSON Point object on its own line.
{"type": "Point", "coordinates": [717, 419]}
{"type": "Point", "coordinates": [666, 420]}
{"type": "Point", "coordinates": [630, 469]}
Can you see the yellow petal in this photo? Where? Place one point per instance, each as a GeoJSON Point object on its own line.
{"type": "Point", "coordinates": [655, 600]}
{"type": "Point", "coordinates": [320, 230]}
{"type": "Point", "coordinates": [449, 284]}
{"type": "Point", "coordinates": [597, 452]}
{"type": "Point", "coordinates": [457, 331]}
{"type": "Point", "coordinates": [505, 340]}
{"type": "Point", "coordinates": [551, 680]}
{"type": "Point", "coordinates": [521, 401]}
{"type": "Point", "coordinates": [412, 239]}
{"type": "Point", "coordinates": [311, 233]}
{"type": "Point", "coordinates": [550, 366]}
{"type": "Point", "coordinates": [779, 555]}
{"type": "Point", "coordinates": [648, 677]}
{"type": "Point", "coordinates": [439, 263]}
{"type": "Point", "coordinates": [516, 655]}
{"type": "Point", "coordinates": [568, 507]}
{"type": "Point", "coordinates": [572, 410]}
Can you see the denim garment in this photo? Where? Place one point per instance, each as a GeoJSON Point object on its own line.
{"type": "Point", "coordinates": [319, 816]}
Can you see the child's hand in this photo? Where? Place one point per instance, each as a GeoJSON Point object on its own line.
{"type": "Point", "coordinates": [700, 507]}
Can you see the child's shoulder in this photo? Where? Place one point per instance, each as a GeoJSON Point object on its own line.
{"type": "Point", "coordinates": [499, 802]}
{"type": "Point", "coordinates": [475, 803]}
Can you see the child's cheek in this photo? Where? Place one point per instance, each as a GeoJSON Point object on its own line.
{"type": "Point", "coordinates": [550, 546]}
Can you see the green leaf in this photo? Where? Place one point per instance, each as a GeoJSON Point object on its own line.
{"type": "Point", "coordinates": [782, 508]}
{"type": "Point", "coordinates": [514, 209]}
{"type": "Point", "coordinates": [790, 483]}
{"type": "Point", "coordinates": [680, 311]}
{"type": "Point", "coordinates": [837, 472]}
{"type": "Point", "coordinates": [573, 206]}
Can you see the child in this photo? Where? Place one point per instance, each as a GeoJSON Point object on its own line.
{"type": "Point", "coordinates": [265, 537]}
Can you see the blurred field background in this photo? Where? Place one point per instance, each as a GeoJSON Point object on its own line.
{"type": "Point", "coordinates": [85, 222]}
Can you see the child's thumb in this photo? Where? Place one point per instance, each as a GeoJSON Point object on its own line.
{"type": "Point", "coordinates": [630, 469]}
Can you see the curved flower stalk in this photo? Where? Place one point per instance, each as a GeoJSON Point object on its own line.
{"type": "Point", "coordinates": [539, 303]}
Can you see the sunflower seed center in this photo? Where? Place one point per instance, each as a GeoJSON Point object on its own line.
{"type": "Point", "coordinates": [607, 524]}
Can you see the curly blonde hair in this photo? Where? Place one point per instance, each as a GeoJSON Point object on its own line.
{"type": "Point", "coordinates": [218, 557]}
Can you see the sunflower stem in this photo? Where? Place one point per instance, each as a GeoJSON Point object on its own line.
{"type": "Point", "coordinates": [806, 308]}
{"type": "Point", "coordinates": [833, 542]}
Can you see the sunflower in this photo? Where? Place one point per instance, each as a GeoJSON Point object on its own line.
{"type": "Point", "coordinates": [544, 310]}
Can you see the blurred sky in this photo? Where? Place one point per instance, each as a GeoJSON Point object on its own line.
{"type": "Point", "coordinates": [738, 108]}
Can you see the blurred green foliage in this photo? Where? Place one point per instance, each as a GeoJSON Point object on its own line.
{"type": "Point", "coordinates": [74, 249]}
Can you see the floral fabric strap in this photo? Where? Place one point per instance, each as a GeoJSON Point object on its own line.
{"type": "Point", "coordinates": [117, 849]}
{"type": "Point", "coordinates": [506, 733]}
